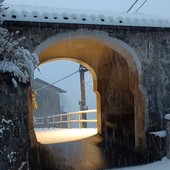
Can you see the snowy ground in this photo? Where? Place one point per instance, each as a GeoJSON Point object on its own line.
{"type": "Point", "coordinates": [50, 136]}
{"type": "Point", "coordinates": [159, 165]}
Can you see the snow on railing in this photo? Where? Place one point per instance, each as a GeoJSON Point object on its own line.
{"type": "Point", "coordinates": [65, 118]}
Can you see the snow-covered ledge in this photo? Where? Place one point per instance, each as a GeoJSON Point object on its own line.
{"type": "Point", "coordinates": [167, 117]}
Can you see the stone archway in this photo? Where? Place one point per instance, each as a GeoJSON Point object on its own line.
{"type": "Point", "coordinates": [88, 48]}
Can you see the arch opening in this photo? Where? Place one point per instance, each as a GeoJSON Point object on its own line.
{"type": "Point", "coordinates": [116, 75]}
{"type": "Point", "coordinates": [59, 89]}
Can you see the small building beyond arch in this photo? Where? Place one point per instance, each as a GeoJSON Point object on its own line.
{"type": "Point", "coordinates": [48, 98]}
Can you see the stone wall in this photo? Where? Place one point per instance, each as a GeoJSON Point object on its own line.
{"type": "Point", "coordinates": [168, 140]}
{"type": "Point", "coordinates": [155, 61]}
{"type": "Point", "coordinates": [152, 48]}
{"type": "Point", "coordinates": [14, 125]}
{"type": "Point", "coordinates": [119, 113]}
{"type": "Point", "coordinates": [167, 118]}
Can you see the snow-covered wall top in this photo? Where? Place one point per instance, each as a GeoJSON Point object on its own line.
{"type": "Point", "coordinates": [55, 15]}
{"type": "Point", "coordinates": [167, 116]}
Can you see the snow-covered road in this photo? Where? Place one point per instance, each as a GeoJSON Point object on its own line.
{"type": "Point", "coordinates": [164, 164]}
{"type": "Point", "coordinates": [51, 136]}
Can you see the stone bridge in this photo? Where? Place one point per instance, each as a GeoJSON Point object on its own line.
{"type": "Point", "coordinates": [128, 57]}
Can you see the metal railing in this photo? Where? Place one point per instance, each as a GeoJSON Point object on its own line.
{"type": "Point", "coordinates": [65, 118]}
{"type": "Point", "coordinates": [39, 121]}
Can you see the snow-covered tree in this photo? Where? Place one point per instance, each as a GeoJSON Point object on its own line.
{"type": "Point", "coordinates": [15, 59]}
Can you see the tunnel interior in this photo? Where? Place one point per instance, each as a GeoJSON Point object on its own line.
{"type": "Point", "coordinates": [118, 116]}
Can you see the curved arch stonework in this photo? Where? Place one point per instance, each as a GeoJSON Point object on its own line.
{"type": "Point", "coordinates": [95, 50]}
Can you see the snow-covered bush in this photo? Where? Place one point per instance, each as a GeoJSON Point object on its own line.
{"type": "Point", "coordinates": [16, 60]}
{"type": "Point", "coordinates": [2, 9]}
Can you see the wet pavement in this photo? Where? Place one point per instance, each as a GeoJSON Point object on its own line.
{"type": "Point", "coordinates": [78, 155]}
{"type": "Point", "coordinates": [88, 154]}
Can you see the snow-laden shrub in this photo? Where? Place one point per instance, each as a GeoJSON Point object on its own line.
{"type": "Point", "coordinates": [16, 60]}
{"type": "Point", "coordinates": [2, 9]}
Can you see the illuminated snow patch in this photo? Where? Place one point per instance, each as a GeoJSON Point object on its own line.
{"type": "Point", "coordinates": [51, 136]}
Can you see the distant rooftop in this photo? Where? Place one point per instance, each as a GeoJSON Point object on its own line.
{"type": "Point", "coordinates": [30, 13]}
{"type": "Point", "coordinates": [44, 83]}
